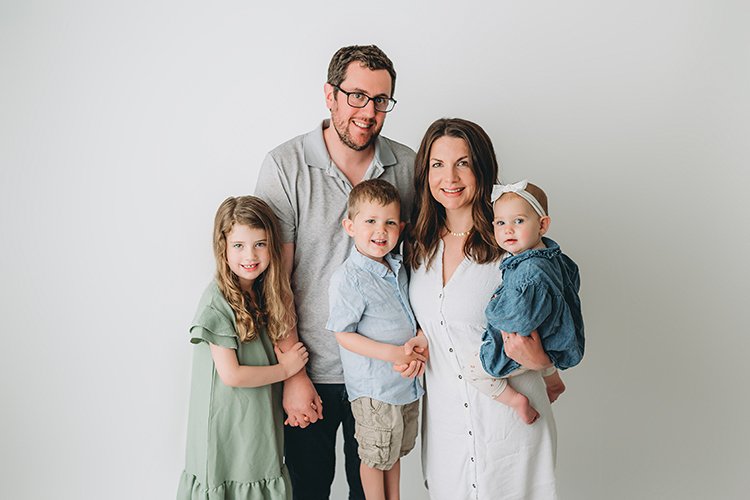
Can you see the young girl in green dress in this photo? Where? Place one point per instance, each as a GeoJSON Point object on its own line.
{"type": "Point", "coordinates": [235, 424]}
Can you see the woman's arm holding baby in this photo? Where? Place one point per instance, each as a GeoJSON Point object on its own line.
{"type": "Point", "coordinates": [527, 351]}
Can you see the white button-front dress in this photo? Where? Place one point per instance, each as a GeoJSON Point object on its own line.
{"type": "Point", "coordinates": [472, 446]}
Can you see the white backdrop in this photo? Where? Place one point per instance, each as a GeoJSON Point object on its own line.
{"type": "Point", "coordinates": [123, 125]}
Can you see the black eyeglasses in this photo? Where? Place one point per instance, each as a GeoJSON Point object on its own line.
{"type": "Point", "coordinates": [360, 100]}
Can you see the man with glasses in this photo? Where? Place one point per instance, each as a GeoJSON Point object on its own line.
{"type": "Point", "coordinates": [307, 181]}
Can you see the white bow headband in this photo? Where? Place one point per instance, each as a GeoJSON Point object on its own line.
{"type": "Point", "coordinates": [518, 188]}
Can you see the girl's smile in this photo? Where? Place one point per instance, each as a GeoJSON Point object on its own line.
{"type": "Point", "coordinates": [247, 253]}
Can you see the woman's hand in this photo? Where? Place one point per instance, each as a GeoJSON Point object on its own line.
{"type": "Point", "coordinates": [413, 369]}
{"type": "Point", "coordinates": [527, 351]}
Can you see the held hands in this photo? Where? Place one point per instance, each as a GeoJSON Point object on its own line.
{"type": "Point", "coordinates": [293, 359]}
{"type": "Point", "coordinates": [416, 352]}
{"type": "Point", "coordinates": [302, 404]}
{"type": "Point", "coordinates": [301, 401]}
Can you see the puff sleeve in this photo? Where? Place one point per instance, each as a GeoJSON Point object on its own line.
{"type": "Point", "coordinates": [214, 327]}
{"type": "Point", "coordinates": [521, 308]}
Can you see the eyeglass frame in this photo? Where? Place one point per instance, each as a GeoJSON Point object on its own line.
{"type": "Point", "coordinates": [347, 94]}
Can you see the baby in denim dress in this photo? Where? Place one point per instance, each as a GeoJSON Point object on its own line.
{"type": "Point", "coordinates": [375, 328]}
{"type": "Point", "coordinates": [539, 292]}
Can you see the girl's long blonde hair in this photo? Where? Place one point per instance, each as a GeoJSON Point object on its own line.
{"type": "Point", "coordinates": [273, 304]}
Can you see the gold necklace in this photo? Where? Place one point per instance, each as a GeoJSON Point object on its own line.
{"type": "Point", "coordinates": [462, 233]}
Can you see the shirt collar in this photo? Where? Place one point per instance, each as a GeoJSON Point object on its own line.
{"type": "Point", "coordinates": [376, 268]}
{"type": "Point", "coordinates": [316, 153]}
{"type": "Point", "coordinates": [552, 250]}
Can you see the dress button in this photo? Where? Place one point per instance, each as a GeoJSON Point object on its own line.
{"type": "Point", "coordinates": [470, 433]}
{"type": "Point", "coordinates": [473, 485]}
{"type": "Point", "coordinates": [441, 322]}
{"type": "Point", "coordinates": [466, 405]}
{"type": "Point", "coordinates": [460, 376]}
{"type": "Point", "coordinates": [440, 296]}
{"type": "Point", "coordinates": [450, 349]}
{"type": "Point", "coordinates": [472, 459]}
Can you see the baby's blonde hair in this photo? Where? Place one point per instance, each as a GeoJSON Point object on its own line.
{"type": "Point", "coordinates": [273, 304]}
{"type": "Point", "coordinates": [537, 193]}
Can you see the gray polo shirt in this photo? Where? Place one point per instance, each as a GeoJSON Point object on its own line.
{"type": "Point", "coordinates": [308, 193]}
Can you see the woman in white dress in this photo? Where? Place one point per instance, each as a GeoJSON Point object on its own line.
{"type": "Point", "coordinates": [472, 446]}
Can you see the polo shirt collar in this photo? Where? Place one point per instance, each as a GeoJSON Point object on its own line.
{"type": "Point", "coordinates": [316, 153]}
{"type": "Point", "coordinates": [376, 268]}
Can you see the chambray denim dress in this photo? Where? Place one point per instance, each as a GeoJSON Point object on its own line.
{"type": "Point", "coordinates": [539, 292]}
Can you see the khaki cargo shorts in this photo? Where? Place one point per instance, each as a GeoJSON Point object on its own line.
{"type": "Point", "coordinates": [385, 432]}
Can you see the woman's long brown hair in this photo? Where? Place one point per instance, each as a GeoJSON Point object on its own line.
{"type": "Point", "coordinates": [428, 216]}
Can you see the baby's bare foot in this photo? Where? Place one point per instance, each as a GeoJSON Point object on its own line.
{"type": "Point", "coordinates": [520, 403]}
{"type": "Point", "coordinates": [555, 387]}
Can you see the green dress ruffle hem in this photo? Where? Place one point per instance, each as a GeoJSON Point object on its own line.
{"type": "Point", "coordinates": [235, 436]}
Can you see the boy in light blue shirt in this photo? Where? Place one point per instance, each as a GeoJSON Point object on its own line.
{"type": "Point", "coordinates": [375, 328]}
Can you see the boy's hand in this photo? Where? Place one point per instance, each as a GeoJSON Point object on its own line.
{"type": "Point", "coordinates": [418, 344]}
{"type": "Point", "coordinates": [403, 355]}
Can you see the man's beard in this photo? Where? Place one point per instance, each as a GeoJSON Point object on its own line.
{"type": "Point", "coordinates": [347, 140]}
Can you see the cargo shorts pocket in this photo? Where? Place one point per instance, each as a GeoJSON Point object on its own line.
{"type": "Point", "coordinates": [374, 446]}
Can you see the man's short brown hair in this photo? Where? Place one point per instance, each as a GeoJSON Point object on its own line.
{"type": "Point", "coordinates": [368, 56]}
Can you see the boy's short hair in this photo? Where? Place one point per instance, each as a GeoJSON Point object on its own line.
{"type": "Point", "coordinates": [376, 190]}
{"type": "Point", "coordinates": [539, 194]}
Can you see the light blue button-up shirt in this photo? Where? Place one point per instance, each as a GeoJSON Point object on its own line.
{"type": "Point", "coordinates": [368, 298]}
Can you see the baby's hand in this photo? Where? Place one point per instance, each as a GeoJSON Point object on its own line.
{"type": "Point", "coordinates": [293, 359]}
